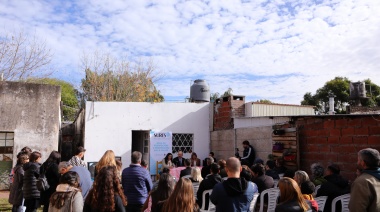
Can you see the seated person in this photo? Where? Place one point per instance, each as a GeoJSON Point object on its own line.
{"type": "Point", "coordinates": [280, 168]}
{"type": "Point", "coordinates": [167, 162]}
{"type": "Point", "coordinates": [209, 183]}
{"type": "Point", "coordinates": [187, 170]}
{"type": "Point", "coordinates": [179, 161]}
{"type": "Point", "coordinates": [222, 164]}
{"type": "Point", "coordinates": [195, 161]}
{"type": "Point", "coordinates": [307, 190]}
{"type": "Point", "coordinates": [206, 169]}
{"type": "Point", "coordinates": [270, 170]}
{"type": "Point", "coordinates": [260, 179]}
{"type": "Point", "coordinates": [196, 179]}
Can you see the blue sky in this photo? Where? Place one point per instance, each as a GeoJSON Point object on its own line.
{"type": "Point", "coordinates": [276, 50]}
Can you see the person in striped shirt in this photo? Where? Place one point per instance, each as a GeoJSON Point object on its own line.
{"type": "Point", "coordinates": [76, 160]}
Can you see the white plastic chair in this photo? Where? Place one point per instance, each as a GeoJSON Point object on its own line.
{"type": "Point", "coordinates": [281, 175]}
{"type": "Point", "coordinates": [273, 194]}
{"type": "Point", "coordinates": [321, 200]}
{"type": "Point", "coordinates": [186, 176]}
{"type": "Point", "coordinates": [344, 199]}
{"type": "Point", "coordinates": [316, 190]}
{"type": "Point", "coordinates": [211, 207]}
{"type": "Point", "coordinates": [253, 202]}
{"type": "Point", "coordinates": [275, 183]}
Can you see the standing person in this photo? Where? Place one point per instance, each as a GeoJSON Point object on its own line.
{"type": "Point", "coordinates": [16, 197]}
{"type": "Point", "coordinates": [235, 193]}
{"type": "Point", "coordinates": [85, 181]}
{"type": "Point", "coordinates": [137, 183]}
{"type": "Point", "coordinates": [67, 196]}
{"type": "Point", "coordinates": [187, 170]}
{"type": "Point", "coordinates": [209, 183]}
{"type": "Point", "coordinates": [167, 161]}
{"type": "Point", "coordinates": [181, 200]}
{"type": "Point", "coordinates": [291, 199]}
{"type": "Point", "coordinates": [50, 169]}
{"type": "Point", "coordinates": [365, 190]}
{"type": "Point", "coordinates": [179, 161]}
{"type": "Point", "coordinates": [163, 191]}
{"type": "Point", "coordinates": [108, 159]}
{"type": "Point", "coordinates": [195, 161]}
{"type": "Point", "coordinates": [29, 188]}
{"type": "Point", "coordinates": [106, 193]}
{"type": "Point", "coordinates": [76, 160]}
{"type": "Point", "coordinates": [249, 154]}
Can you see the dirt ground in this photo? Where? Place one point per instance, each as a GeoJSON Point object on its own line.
{"type": "Point", "coordinates": [4, 194]}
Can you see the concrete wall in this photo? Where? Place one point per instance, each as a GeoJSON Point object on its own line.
{"type": "Point", "coordinates": [109, 125]}
{"type": "Point", "coordinates": [32, 112]}
{"type": "Point", "coordinates": [337, 139]}
{"type": "Point", "coordinates": [224, 142]}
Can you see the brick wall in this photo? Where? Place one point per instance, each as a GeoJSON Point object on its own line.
{"type": "Point", "coordinates": [227, 108]}
{"type": "Point", "coordinates": [336, 139]}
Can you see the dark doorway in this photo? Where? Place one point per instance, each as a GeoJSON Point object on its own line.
{"type": "Point", "coordinates": [140, 142]}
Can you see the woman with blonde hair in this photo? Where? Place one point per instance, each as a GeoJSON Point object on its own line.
{"type": "Point", "coordinates": [108, 159]}
{"type": "Point", "coordinates": [181, 200]}
{"type": "Point", "coordinates": [291, 199]}
{"type": "Point", "coordinates": [301, 177]}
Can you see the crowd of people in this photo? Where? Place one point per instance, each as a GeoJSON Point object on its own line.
{"type": "Point", "coordinates": [233, 181]}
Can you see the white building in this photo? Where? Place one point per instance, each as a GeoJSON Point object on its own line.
{"type": "Point", "coordinates": [124, 127]}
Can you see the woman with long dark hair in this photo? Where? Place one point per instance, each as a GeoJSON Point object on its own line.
{"type": "Point", "coordinates": [182, 199]}
{"type": "Point", "coordinates": [68, 196]}
{"type": "Point", "coordinates": [29, 187]}
{"type": "Point", "coordinates": [50, 169]}
{"type": "Point", "coordinates": [291, 199]}
{"type": "Point", "coordinates": [15, 195]}
{"type": "Point", "coordinates": [106, 193]}
{"type": "Point", "coordinates": [167, 162]}
{"type": "Point", "coordinates": [163, 191]}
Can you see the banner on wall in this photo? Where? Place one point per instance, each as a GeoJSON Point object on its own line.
{"type": "Point", "coordinates": [160, 145]}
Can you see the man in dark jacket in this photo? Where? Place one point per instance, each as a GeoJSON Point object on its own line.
{"type": "Point", "coordinates": [29, 188]}
{"type": "Point", "coordinates": [335, 186]}
{"type": "Point", "coordinates": [187, 170]}
{"type": "Point", "coordinates": [209, 183]}
{"type": "Point", "coordinates": [260, 179]}
{"type": "Point", "coordinates": [269, 170]}
{"type": "Point", "coordinates": [249, 154]}
{"type": "Point", "coordinates": [179, 161]}
{"type": "Point", "coordinates": [206, 170]}
{"type": "Point", "coordinates": [235, 193]}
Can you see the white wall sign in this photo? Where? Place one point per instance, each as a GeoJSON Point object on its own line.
{"type": "Point", "coordinates": [160, 145]}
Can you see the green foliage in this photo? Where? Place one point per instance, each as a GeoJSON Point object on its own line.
{"type": "Point", "coordinates": [228, 92]}
{"type": "Point", "coordinates": [266, 101]}
{"type": "Point", "coordinates": [340, 87]}
{"type": "Point", "coordinates": [68, 96]}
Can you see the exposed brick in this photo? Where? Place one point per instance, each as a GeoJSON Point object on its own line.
{"type": "Point", "coordinates": [374, 130]}
{"type": "Point", "coordinates": [354, 122]}
{"type": "Point", "coordinates": [347, 158]}
{"type": "Point", "coordinates": [333, 140]}
{"type": "Point", "coordinates": [360, 140]}
{"type": "Point", "coordinates": [373, 140]}
{"type": "Point", "coordinates": [324, 148]}
{"type": "Point", "coordinates": [361, 130]}
{"type": "Point", "coordinates": [328, 124]}
{"type": "Point", "coordinates": [335, 132]}
{"type": "Point", "coordinates": [323, 132]}
{"type": "Point", "coordinates": [372, 121]}
{"type": "Point", "coordinates": [312, 148]}
{"type": "Point", "coordinates": [347, 149]}
{"type": "Point", "coordinates": [331, 157]}
{"type": "Point", "coordinates": [340, 123]}
{"type": "Point", "coordinates": [346, 140]}
{"type": "Point", "coordinates": [348, 131]}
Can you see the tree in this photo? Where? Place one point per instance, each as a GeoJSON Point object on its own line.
{"type": "Point", "coordinates": [266, 101]}
{"type": "Point", "coordinates": [228, 92]}
{"type": "Point", "coordinates": [68, 96]}
{"type": "Point", "coordinates": [22, 56]}
{"type": "Point", "coordinates": [111, 79]}
{"type": "Point", "coordinates": [340, 87]}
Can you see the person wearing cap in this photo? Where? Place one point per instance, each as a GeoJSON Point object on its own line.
{"type": "Point", "coordinates": [76, 160]}
{"type": "Point", "coordinates": [335, 186]}
{"type": "Point", "coordinates": [365, 190]}
{"type": "Point", "coordinates": [85, 181]}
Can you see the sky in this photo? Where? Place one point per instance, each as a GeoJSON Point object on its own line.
{"type": "Point", "coordinates": [275, 50]}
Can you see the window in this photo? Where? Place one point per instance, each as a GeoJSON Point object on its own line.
{"type": "Point", "coordinates": [6, 146]}
{"type": "Point", "coordinates": [183, 142]}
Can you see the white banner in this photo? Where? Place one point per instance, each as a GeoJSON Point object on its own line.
{"type": "Point", "coordinates": [160, 145]}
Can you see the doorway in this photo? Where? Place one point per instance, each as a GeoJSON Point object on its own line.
{"type": "Point", "coordinates": [140, 142]}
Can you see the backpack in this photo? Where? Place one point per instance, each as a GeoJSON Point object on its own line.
{"type": "Point", "coordinates": [42, 183]}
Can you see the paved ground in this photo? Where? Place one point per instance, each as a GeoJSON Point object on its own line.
{"type": "Point", "coordinates": [4, 194]}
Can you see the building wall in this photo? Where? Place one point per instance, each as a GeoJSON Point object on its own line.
{"type": "Point", "coordinates": [249, 122]}
{"type": "Point", "coordinates": [226, 109]}
{"type": "Point", "coordinates": [109, 125]}
{"type": "Point", "coordinates": [32, 112]}
{"type": "Point", "coordinates": [224, 142]}
{"type": "Point", "coordinates": [337, 139]}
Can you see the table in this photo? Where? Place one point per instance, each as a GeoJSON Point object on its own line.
{"type": "Point", "coordinates": [176, 172]}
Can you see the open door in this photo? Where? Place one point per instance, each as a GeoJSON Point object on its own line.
{"type": "Point", "coordinates": [140, 142]}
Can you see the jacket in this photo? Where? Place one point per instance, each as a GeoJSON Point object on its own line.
{"type": "Point", "coordinates": [31, 174]}
{"type": "Point", "coordinates": [137, 184]}
{"type": "Point", "coordinates": [249, 154]}
{"type": "Point", "coordinates": [365, 192]}
{"type": "Point", "coordinates": [335, 186]}
{"type": "Point", "coordinates": [119, 207]}
{"type": "Point", "coordinates": [263, 182]}
{"type": "Point", "coordinates": [207, 184]}
{"type": "Point", "coordinates": [15, 194]}
{"type": "Point", "coordinates": [293, 206]}
{"type": "Point", "coordinates": [73, 202]}
{"type": "Point", "coordinates": [186, 171]}
{"type": "Point", "coordinates": [234, 194]}
{"type": "Point", "coordinates": [52, 175]}
{"type": "Point", "coordinates": [177, 162]}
